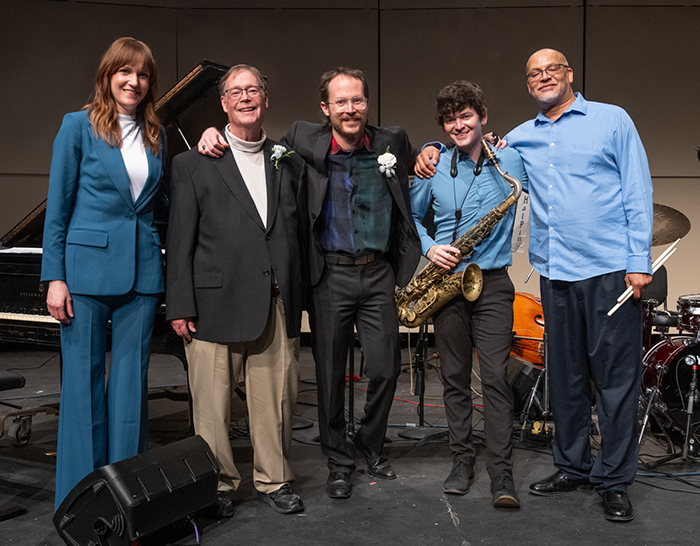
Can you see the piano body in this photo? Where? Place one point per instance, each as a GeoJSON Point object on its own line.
{"type": "Point", "coordinates": [185, 111]}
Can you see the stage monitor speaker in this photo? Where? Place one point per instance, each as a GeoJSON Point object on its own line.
{"type": "Point", "coordinates": [522, 376]}
{"type": "Point", "coordinates": [130, 500]}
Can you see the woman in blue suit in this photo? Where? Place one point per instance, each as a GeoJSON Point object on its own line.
{"type": "Point", "coordinates": [102, 261]}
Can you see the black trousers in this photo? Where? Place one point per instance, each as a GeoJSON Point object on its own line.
{"type": "Point", "coordinates": [585, 345]}
{"type": "Point", "coordinates": [361, 296]}
{"type": "Point", "coordinates": [487, 325]}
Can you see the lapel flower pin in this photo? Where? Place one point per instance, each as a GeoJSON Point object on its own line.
{"type": "Point", "coordinates": [387, 162]}
{"type": "Point", "coordinates": [279, 152]}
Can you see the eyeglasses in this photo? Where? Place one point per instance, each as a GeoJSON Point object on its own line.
{"type": "Point", "coordinates": [236, 93]}
{"type": "Point", "coordinates": [358, 103]}
{"type": "Point", "coordinates": [552, 70]}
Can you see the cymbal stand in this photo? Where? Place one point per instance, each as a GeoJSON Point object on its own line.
{"type": "Point", "coordinates": [689, 444]}
{"type": "Point", "coordinates": [651, 395]}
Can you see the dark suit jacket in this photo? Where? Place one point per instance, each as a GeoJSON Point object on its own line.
{"type": "Point", "coordinates": [96, 238]}
{"type": "Point", "coordinates": [221, 261]}
{"type": "Point", "coordinates": [312, 142]}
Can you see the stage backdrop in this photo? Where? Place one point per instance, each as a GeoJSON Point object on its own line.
{"type": "Point", "coordinates": [639, 54]}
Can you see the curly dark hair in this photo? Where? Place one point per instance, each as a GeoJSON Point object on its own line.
{"type": "Point", "coordinates": [457, 96]}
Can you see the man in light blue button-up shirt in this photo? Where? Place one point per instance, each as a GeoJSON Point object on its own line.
{"type": "Point", "coordinates": [590, 238]}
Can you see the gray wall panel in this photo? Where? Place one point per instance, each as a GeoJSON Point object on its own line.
{"type": "Point", "coordinates": [683, 266]}
{"type": "Point", "coordinates": [50, 52]}
{"type": "Point", "coordinates": [645, 60]}
{"type": "Point", "coordinates": [419, 57]}
{"type": "Point", "coordinates": [474, 4]}
{"type": "Point", "coordinates": [287, 47]}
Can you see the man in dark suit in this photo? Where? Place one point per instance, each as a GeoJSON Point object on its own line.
{"type": "Point", "coordinates": [234, 288]}
{"type": "Point", "coordinates": [362, 242]}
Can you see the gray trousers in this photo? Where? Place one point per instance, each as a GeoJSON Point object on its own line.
{"type": "Point", "coordinates": [486, 324]}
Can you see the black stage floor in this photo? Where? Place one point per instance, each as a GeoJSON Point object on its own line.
{"type": "Point", "coordinates": [411, 510]}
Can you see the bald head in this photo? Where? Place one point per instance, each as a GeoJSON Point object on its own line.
{"type": "Point", "coordinates": [547, 53]}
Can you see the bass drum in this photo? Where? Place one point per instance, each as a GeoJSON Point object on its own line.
{"type": "Point", "coordinates": [665, 368]}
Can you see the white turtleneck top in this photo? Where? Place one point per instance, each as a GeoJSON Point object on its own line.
{"type": "Point", "coordinates": [250, 160]}
{"type": "Point", "coordinates": [134, 154]}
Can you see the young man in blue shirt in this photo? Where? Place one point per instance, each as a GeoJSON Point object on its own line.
{"type": "Point", "coordinates": [461, 193]}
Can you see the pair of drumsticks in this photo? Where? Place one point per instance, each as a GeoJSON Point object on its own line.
{"type": "Point", "coordinates": [654, 267]}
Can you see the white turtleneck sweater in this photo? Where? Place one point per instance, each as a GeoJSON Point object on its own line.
{"type": "Point", "coordinates": [250, 160]}
{"type": "Point", "coordinates": [134, 154]}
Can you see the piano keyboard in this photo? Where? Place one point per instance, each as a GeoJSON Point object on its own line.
{"type": "Point", "coordinates": [27, 318]}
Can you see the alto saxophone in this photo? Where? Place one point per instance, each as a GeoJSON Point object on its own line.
{"type": "Point", "coordinates": [434, 286]}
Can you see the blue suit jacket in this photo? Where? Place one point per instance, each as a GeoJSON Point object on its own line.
{"type": "Point", "coordinates": [95, 237]}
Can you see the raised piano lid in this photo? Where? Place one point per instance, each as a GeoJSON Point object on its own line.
{"type": "Point", "coordinates": [185, 111]}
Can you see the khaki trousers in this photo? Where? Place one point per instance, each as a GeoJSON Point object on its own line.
{"type": "Point", "coordinates": [270, 366]}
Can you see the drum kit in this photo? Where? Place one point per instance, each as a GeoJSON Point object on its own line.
{"type": "Point", "coordinates": [669, 382]}
{"type": "Point", "coordinates": [669, 378]}
{"type": "Point", "coordinates": [669, 391]}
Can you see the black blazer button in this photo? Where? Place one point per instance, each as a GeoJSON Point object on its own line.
{"type": "Point", "coordinates": [266, 273]}
{"type": "Point", "coordinates": [267, 237]}
{"type": "Point", "coordinates": [313, 216]}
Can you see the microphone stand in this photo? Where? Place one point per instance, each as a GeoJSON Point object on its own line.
{"type": "Point", "coordinates": [689, 445]}
{"type": "Point", "coordinates": [420, 357]}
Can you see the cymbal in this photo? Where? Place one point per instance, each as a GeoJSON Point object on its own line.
{"type": "Point", "coordinates": [669, 225]}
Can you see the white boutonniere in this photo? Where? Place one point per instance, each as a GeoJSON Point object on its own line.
{"type": "Point", "coordinates": [279, 152]}
{"type": "Point", "coordinates": [387, 162]}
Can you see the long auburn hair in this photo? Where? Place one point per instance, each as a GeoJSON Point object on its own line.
{"type": "Point", "coordinates": [103, 108]}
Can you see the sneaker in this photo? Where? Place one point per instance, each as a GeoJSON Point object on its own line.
{"type": "Point", "coordinates": [462, 474]}
{"type": "Point", "coordinates": [503, 492]}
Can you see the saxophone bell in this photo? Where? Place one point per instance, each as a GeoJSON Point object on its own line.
{"type": "Point", "coordinates": [472, 282]}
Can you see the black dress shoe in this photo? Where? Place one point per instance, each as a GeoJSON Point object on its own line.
{"type": "Point", "coordinates": [222, 507]}
{"type": "Point", "coordinates": [377, 463]}
{"type": "Point", "coordinates": [283, 500]}
{"type": "Point", "coordinates": [338, 485]}
{"type": "Point", "coordinates": [617, 506]}
{"type": "Point", "coordinates": [558, 483]}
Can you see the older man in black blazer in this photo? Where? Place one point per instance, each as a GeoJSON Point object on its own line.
{"type": "Point", "coordinates": [234, 289]}
{"type": "Point", "coordinates": [362, 242]}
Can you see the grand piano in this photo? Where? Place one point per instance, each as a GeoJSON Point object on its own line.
{"type": "Point", "coordinates": [185, 111]}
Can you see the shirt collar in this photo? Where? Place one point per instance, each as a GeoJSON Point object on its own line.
{"type": "Point", "coordinates": [335, 147]}
{"type": "Point", "coordinates": [579, 106]}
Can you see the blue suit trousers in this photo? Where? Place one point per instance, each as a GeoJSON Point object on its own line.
{"type": "Point", "coordinates": [104, 416]}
